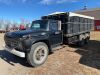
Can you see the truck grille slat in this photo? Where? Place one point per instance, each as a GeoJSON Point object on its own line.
{"type": "Point", "coordinates": [12, 42]}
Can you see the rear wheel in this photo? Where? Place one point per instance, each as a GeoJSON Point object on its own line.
{"type": "Point", "coordinates": [86, 40]}
{"type": "Point", "coordinates": [81, 43]}
{"type": "Point", "coordinates": [38, 54]}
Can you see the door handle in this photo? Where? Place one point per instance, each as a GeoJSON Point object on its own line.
{"type": "Point", "coordinates": [57, 32]}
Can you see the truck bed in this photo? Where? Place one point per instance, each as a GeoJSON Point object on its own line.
{"type": "Point", "coordinates": [72, 23]}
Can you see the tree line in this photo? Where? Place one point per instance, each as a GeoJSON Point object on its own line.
{"type": "Point", "coordinates": [7, 25]}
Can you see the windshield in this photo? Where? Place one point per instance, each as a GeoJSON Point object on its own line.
{"type": "Point", "coordinates": [40, 24]}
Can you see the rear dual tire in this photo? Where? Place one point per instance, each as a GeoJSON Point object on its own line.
{"type": "Point", "coordinates": [87, 40]}
{"type": "Point", "coordinates": [38, 54]}
{"type": "Point", "coordinates": [83, 42]}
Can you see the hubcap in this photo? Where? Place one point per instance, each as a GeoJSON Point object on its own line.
{"type": "Point", "coordinates": [40, 54]}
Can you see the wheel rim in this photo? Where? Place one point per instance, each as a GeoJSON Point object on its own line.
{"type": "Point", "coordinates": [40, 54]}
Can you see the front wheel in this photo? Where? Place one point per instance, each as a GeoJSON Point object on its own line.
{"type": "Point", "coordinates": [38, 54]}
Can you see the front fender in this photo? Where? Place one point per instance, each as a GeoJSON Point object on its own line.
{"type": "Point", "coordinates": [27, 43]}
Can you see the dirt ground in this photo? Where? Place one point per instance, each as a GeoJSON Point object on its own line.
{"type": "Point", "coordinates": [70, 60]}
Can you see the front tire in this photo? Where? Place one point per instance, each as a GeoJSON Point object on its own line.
{"type": "Point", "coordinates": [38, 54]}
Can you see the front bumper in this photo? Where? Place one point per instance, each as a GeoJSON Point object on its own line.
{"type": "Point", "coordinates": [15, 52]}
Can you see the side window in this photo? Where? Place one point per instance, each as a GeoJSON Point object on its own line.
{"type": "Point", "coordinates": [53, 26]}
{"type": "Point", "coordinates": [36, 26]}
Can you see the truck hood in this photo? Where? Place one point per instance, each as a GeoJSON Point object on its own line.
{"type": "Point", "coordinates": [19, 34]}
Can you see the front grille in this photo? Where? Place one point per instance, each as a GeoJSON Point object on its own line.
{"type": "Point", "coordinates": [11, 42]}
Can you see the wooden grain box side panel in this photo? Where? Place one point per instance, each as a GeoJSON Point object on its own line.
{"type": "Point", "coordinates": [72, 23]}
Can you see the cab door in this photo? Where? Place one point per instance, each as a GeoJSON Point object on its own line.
{"type": "Point", "coordinates": [56, 36]}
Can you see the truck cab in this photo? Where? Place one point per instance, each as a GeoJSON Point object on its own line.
{"type": "Point", "coordinates": [35, 43]}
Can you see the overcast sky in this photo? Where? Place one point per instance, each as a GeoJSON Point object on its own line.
{"type": "Point", "coordinates": [34, 9]}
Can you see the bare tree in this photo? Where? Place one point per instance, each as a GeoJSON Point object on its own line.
{"type": "Point", "coordinates": [25, 22]}
{"type": "Point", "coordinates": [7, 25]}
{"type": "Point", "coordinates": [2, 24]}
{"type": "Point", "coordinates": [15, 26]}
